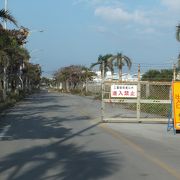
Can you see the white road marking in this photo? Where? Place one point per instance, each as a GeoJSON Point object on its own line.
{"type": "Point", "coordinates": [5, 130]}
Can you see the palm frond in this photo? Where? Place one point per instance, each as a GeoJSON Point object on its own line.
{"type": "Point", "coordinates": [6, 16]}
{"type": "Point", "coordinates": [111, 59]}
{"type": "Point", "coordinates": [94, 64]}
{"type": "Point", "coordinates": [128, 61]}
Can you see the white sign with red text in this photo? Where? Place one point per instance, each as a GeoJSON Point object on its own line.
{"type": "Point", "coordinates": [124, 91]}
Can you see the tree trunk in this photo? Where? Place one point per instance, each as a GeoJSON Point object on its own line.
{"type": "Point", "coordinates": [67, 86]}
{"type": "Point", "coordinates": [4, 84]}
{"type": "Point", "coordinates": [120, 74]}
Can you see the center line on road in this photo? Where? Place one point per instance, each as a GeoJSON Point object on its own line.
{"type": "Point", "coordinates": [139, 149]}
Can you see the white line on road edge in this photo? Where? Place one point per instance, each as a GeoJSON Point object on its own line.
{"type": "Point", "coordinates": [2, 134]}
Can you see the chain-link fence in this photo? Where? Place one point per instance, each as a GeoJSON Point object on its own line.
{"type": "Point", "coordinates": [155, 98]}
{"type": "Point", "coordinates": [152, 102]}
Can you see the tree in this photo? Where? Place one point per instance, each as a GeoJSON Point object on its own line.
{"type": "Point", "coordinates": [121, 60]}
{"type": "Point", "coordinates": [4, 59]}
{"type": "Point", "coordinates": [45, 81]}
{"type": "Point", "coordinates": [19, 62]}
{"type": "Point", "coordinates": [6, 16]}
{"type": "Point", "coordinates": [72, 76]}
{"type": "Point", "coordinates": [7, 43]}
{"type": "Point", "coordinates": [158, 75]}
{"type": "Point", "coordinates": [33, 74]}
{"type": "Point", "coordinates": [86, 74]}
{"type": "Point", "coordinates": [14, 58]}
{"type": "Point", "coordinates": [107, 64]}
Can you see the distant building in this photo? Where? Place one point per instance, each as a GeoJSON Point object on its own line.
{"type": "Point", "coordinates": [115, 76]}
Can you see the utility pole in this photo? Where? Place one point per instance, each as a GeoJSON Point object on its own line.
{"type": "Point", "coordinates": [5, 8]}
{"type": "Point", "coordinates": [174, 72]}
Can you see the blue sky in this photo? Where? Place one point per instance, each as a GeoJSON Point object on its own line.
{"type": "Point", "coordinates": [78, 31]}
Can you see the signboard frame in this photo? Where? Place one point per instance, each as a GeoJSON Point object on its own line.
{"type": "Point", "coordinates": [123, 91]}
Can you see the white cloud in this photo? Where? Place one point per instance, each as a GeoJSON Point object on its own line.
{"type": "Point", "coordinates": [149, 20]}
{"type": "Point", "coordinates": [172, 4]}
{"type": "Point", "coordinates": [119, 14]}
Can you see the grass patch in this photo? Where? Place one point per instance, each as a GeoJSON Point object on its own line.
{"type": "Point", "coordinates": [11, 100]}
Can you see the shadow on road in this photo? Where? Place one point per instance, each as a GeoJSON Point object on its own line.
{"type": "Point", "coordinates": [60, 159]}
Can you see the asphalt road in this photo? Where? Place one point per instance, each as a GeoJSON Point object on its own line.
{"type": "Point", "coordinates": [52, 136]}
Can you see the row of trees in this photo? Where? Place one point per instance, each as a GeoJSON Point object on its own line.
{"type": "Point", "coordinates": [72, 76]}
{"type": "Point", "coordinates": [16, 72]}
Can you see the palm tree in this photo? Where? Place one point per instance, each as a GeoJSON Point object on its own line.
{"type": "Point", "coordinates": [121, 60]}
{"type": "Point", "coordinates": [20, 58]}
{"type": "Point", "coordinates": [33, 73]}
{"type": "Point", "coordinates": [107, 64]}
{"type": "Point", "coordinates": [6, 16]}
{"type": "Point", "coordinates": [178, 32]}
{"type": "Point", "coordinates": [4, 61]}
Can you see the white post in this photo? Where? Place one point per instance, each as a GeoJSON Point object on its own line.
{"type": "Point", "coordinates": [138, 95]}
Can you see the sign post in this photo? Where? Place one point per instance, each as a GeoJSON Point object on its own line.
{"type": "Point", "coordinates": [176, 104]}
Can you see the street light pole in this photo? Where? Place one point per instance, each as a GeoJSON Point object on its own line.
{"type": "Point", "coordinates": [5, 8]}
{"type": "Point", "coordinates": [5, 65]}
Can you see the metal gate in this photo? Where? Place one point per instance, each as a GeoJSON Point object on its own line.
{"type": "Point", "coordinates": [151, 104]}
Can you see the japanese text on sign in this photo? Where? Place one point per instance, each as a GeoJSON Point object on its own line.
{"type": "Point", "coordinates": [129, 91]}
{"type": "Point", "coordinates": [177, 100]}
{"type": "Point", "coordinates": [176, 104]}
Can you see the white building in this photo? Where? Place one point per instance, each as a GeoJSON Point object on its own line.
{"type": "Point", "coordinates": [125, 76]}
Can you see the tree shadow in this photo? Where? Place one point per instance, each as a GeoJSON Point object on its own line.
{"type": "Point", "coordinates": [39, 127]}
{"type": "Point", "coordinates": [39, 120]}
{"type": "Point", "coordinates": [60, 158]}
{"type": "Point", "coordinates": [58, 161]}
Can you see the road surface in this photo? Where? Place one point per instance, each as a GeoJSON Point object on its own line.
{"type": "Point", "coordinates": [51, 136]}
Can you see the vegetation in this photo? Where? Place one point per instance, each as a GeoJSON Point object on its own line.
{"type": "Point", "coordinates": [46, 82]}
{"type": "Point", "coordinates": [107, 64]}
{"type": "Point", "coordinates": [120, 61]}
{"type": "Point", "coordinates": [72, 77]}
{"type": "Point", "coordinates": [158, 75]}
{"type": "Point", "coordinates": [17, 74]}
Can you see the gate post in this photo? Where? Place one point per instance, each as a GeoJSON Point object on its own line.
{"type": "Point", "coordinates": [138, 95]}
